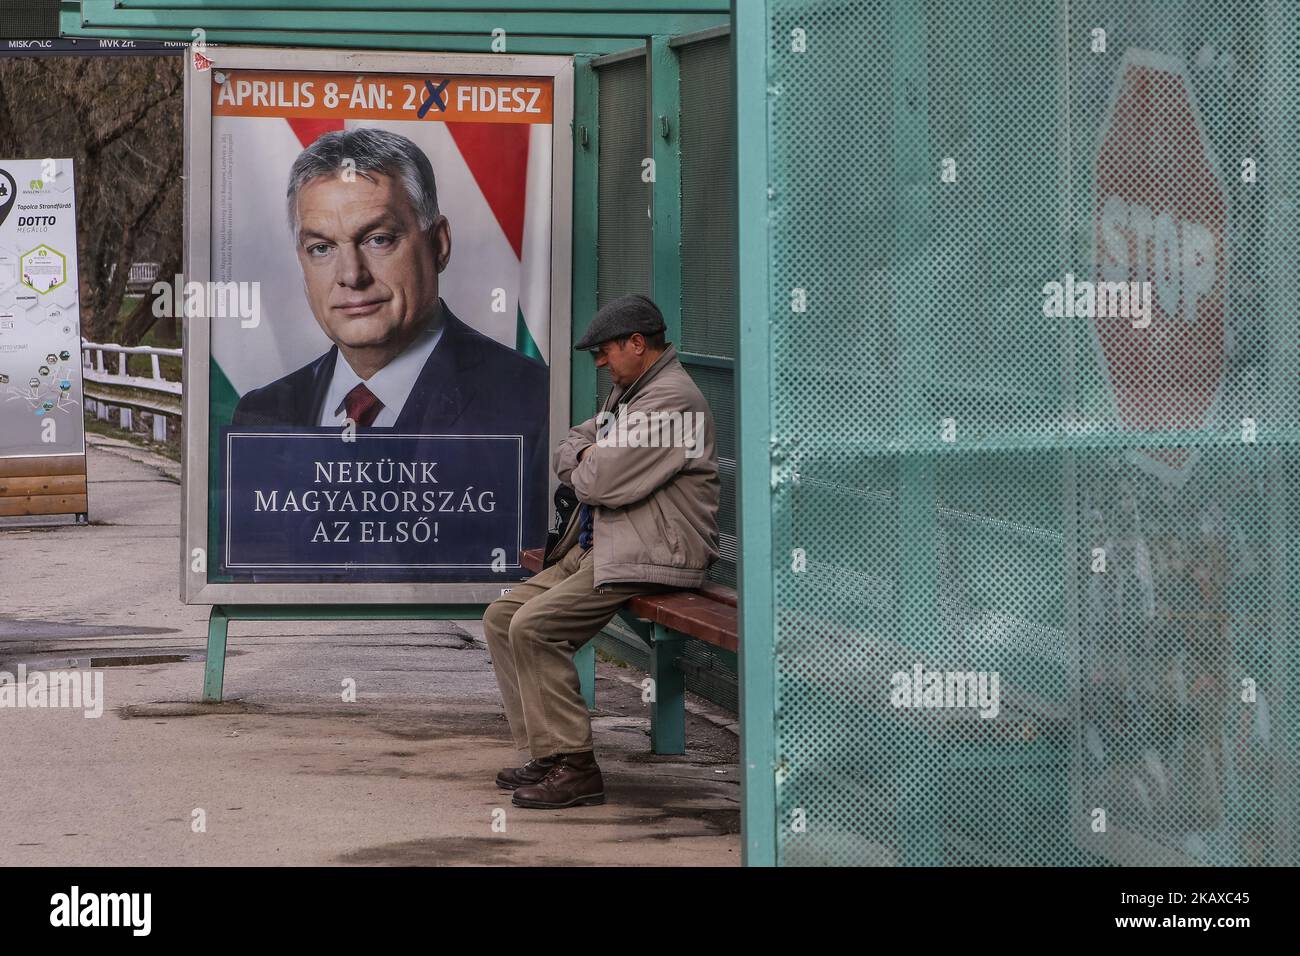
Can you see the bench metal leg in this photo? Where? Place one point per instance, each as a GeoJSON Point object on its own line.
{"type": "Point", "coordinates": [668, 706]}
{"type": "Point", "coordinates": [214, 671]}
{"type": "Point", "coordinates": [584, 659]}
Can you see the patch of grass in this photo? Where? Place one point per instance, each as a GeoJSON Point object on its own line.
{"type": "Point", "coordinates": [101, 427]}
{"type": "Point", "coordinates": [608, 658]}
{"type": "Point", "coordinates": [158, 337]}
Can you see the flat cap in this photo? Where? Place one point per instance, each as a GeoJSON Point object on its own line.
{"type": "Point", "coordinates": [623, 316]}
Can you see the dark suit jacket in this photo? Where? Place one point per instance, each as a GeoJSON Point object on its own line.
{"type": "Point", "coordinates": [470, 385]}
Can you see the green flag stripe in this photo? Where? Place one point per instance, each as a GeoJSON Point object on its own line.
{"type": "Point", "coordinates": [524, 339]}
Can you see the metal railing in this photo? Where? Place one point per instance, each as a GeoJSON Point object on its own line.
{"type": "Point", "coordinates": [154, 393]}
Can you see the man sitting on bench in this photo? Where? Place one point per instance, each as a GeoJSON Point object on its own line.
{"type": "Point", "coordinates": [646, 475]}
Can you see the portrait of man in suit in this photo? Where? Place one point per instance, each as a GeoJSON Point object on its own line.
{"type": "Point", "coordinates": [363, 210]}
{"type": "Point", "coordinates": [370, 241]}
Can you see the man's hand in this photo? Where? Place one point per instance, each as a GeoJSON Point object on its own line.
{"type": "Point", "coordinates": [583, 454]}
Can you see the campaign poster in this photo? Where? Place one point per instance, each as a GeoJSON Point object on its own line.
{"type": "Point", "coordinates": [379, 320]}
{"type": "Point", "coordinates": [40, 333]}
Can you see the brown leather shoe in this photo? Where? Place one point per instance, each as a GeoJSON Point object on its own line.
{"type": "Point", "coordinates": [573, 782]}
{"type": "Point", "coordinates": [530, 773]}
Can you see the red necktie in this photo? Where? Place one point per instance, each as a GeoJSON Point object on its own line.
{"type": "Point", "coordinates": [362, 405]}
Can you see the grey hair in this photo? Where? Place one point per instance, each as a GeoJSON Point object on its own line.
{"type": "Point", "coordinates": [371, 150]}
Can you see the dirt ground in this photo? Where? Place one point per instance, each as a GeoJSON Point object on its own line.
{"type": "Point", "coordinates": [285, 771]}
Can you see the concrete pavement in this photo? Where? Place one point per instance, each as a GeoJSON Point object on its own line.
{"type": "Point", "coordinates": [286, 771]}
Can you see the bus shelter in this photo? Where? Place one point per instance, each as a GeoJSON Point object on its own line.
{"type": "Point", "coordinates": [995, 307]}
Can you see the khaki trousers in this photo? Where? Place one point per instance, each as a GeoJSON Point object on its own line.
{"type": "Point", "coordinates": [532, 633]}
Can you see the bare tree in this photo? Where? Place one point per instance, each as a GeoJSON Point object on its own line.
{"type": "Point", "coordinates": [120, 120]}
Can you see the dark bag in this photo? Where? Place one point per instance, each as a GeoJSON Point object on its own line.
{"type": "Point", "coordinates": [566, 505]}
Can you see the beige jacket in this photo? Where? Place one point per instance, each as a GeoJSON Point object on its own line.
{"type": "Point", "coordinates": [656, 508]}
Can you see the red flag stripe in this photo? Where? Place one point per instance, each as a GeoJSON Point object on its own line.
{"type": "Point", "coordinates": [310, 130]}
{"type": "Point", "coordinates": [497, 157]}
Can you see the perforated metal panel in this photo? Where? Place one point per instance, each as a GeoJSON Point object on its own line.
{"type": "Point", "coordinates": [623, 254]}
{"type": "Point", "coordinates": [708, 198]}
{"type": "Point", "coordinates": [709, 316]}
{"type": "Point", "coordinates": [623, 199]}
{"type": "Point", "coordinates": [1085, 516]}
{"type": "Point", "coordinates": [718, 390]}
{"type": "Point", "coordinates": [29, 19]}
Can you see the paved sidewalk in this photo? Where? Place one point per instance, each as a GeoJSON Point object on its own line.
{"type": "Point", "coordinates": [286, 772]}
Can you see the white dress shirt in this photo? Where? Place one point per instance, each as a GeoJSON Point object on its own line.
{"type": "Point", "coordinates": [392, 384]}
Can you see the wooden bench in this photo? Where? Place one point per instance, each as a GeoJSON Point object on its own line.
{"type": "Point", "coordinates": [664, 621]}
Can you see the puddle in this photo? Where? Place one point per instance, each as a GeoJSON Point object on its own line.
{"type": "Point", "coordinates": [113, 659]}
{"type": "Point", "coordinates": [37, 629]}
{"type": "Point", "coordinates": [187, 708]}
{"type": "Point", "coordinates": [138, 660]}
{"type": "Point", "coordinates": [438, 851]}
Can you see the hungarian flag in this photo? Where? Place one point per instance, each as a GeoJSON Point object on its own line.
{"type": "Point", "coordinates": [494, 187]}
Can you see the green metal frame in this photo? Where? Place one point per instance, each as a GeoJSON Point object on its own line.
{"type": "Point", "coordinates": [214, 669]}
{"type": "Point", "coordinates": [667, 707]}
{"type": "Point", "coordinates": [107, 13]}
{"type": "Point", "coordinates": [586, 222]}
{"type": "Point", "coordinates": [573, 27]}
{"type": "Point", "coordinates": [663, 115]}
{"type": "Point", "coordinates": [647, 7]}
{"type": "Point", "coordinates": [426, 42]}
{"type": "Point", "coordinates": [754, 427]}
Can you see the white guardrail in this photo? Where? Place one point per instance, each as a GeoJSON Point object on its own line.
{"type": "Point", "coordinates": [167, 403]}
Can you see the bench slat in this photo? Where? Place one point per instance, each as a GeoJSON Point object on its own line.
{"type": "Point", "coordinates": [719, 593]}
{"type": "Point", "coordinates": [692, 614]}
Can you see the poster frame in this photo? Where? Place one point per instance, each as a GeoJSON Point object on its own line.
{"type": "Point", "coordinates": [195, 588]}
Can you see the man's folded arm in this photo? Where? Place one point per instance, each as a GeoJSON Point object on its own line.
{"type": "Point", "coordinates": [612, 476]}
{"type": "Point", "coordinates": [567, 452]}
